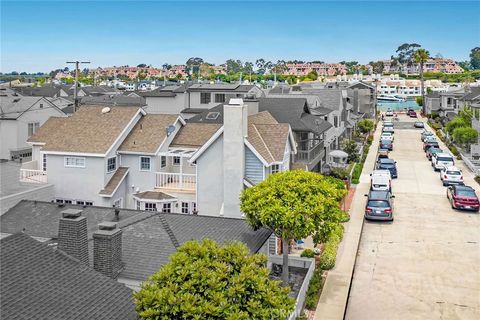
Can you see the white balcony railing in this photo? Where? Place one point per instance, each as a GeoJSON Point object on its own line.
{"type": "Point", "coordinates": [176, 181]}
{"type": "Point", "coordinates": [34, 176]}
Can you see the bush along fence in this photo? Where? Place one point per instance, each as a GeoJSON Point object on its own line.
{"type": "Point", "coordinates": [357, 171]}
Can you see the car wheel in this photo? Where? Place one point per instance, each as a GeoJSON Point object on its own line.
{"type": "Point", "coordinates": [444, 184]}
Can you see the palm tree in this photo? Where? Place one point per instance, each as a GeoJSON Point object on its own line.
{"type": "Point", "coordinates": [421, 56]}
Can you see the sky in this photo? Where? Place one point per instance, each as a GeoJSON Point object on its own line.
{"type": "Point", "coordinates": [39, 36]}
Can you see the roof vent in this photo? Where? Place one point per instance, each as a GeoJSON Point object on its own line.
{"type": "Point", "coordinates": [106, 110]}
{"type": "Point", "coordinates": [212, 115]}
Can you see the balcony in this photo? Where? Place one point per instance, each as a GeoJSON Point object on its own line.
{"type": "Point", "coordinates": [177, 182]}
{"type": "Point", "coordinates": [30, 173]}
{"type": "Point", "coordinates": [308, 155]}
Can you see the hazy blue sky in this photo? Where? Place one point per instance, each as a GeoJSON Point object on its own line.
{"type": "Point", "coordinates": [41, 35]}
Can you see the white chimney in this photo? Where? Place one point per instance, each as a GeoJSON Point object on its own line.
{"type": "Point", "coordinates": [235, 130]}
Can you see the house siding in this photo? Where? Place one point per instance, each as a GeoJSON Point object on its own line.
{"type": "Point", "coordinates": [166, 105]}
{"type": "Point", "coordinates": [254, 169]}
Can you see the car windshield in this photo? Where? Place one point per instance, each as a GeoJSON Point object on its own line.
{"type": "Point", "coordinates": [387, 134]}
{"type": "Point", "coordinates": [445, 159]}
{"type": "Point", "coordinates": [466, 193]}
{"type": "Point", "coordinates": [386, 142]}
{"type": "Point", "coordinates": [435, 150]}
{"type": "Point", "coordinates": [453, 173]}
{"type": "Point", "coordinates": [378, 204]}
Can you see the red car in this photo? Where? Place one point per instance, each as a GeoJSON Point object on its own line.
{"type": "Point", "coordinates": [463, 197]}
{"type": "Point", "coordinates": [413, 114]}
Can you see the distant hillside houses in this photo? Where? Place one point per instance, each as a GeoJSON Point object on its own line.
{"type": "Point", "coordinates": [322, 69]}
{"type": "Point", "coordinates": [432, 65]}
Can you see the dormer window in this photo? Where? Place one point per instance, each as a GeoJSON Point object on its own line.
{"type": "Point", "coordinates": [112, 164]}
{"type": "Point", "coordinates": [274, 168]}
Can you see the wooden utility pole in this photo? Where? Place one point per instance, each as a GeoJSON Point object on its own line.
{"type": "Point", "coordinates": [75, 92]}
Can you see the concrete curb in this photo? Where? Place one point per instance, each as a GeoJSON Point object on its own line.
{"type": "Point", "coordinates": [334, 297]}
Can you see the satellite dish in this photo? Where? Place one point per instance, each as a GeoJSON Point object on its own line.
{"type": "Point", "coordinates": [170, 129]}
{"type": "Point", "coordinates": [106, 110]}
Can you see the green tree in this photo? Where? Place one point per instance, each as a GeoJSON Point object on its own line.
{"type": "Point", "coordinates": [421, 56]}
{"type": "Point", "coordinates": [365, 125]}
{"type": "Point", "coordinates": [294, 205]}
{"type": "Point", "coordinates": [475, 58]}
{"type": "Point", "coordinates": [313, 75]}
{"type": "Point", "coordinates": [208, 281]}
{"type": "Point", "coordinates": [350, 147]}
{"type": "Point", "coordinates": [405, 53]}
{"type": "Point", "coordinates": [455, 123]}
{"type": "Point", "coordinates": [419, 101]}
{"type": "Point", "coordinates": [465, 136]}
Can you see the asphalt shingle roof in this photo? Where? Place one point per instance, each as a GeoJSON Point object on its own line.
{"type": "Point", "coordinates": [39, 282]}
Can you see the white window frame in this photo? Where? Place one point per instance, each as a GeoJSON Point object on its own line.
{"type": "Point", "coordinates": [179, 160]}
{"type": "Point", "coordinates": [185, 207]}
{"type": "Point", "coordinates": [111, 170]}
{"type": "Point", "coordinates": [34, 127]}
{"type": "Point", "coordinates": [149, 163]}
{"type": "Point", "coordinates": [163, 161]}
{"type": "Point", "coordinates": [89, 203]}
{"type": "Point", "coordinates": [76, 160]}
{"type": "Point", "coordinates": [150, 206]}
{"type": "Point", "coordinates": [275, 168]}
{"type": "Point", "coordinates": [44, 162]}
{"type": "Point", "coordinates": [138, 205]}
{"type": "Point", "coordinates": [167, 206]}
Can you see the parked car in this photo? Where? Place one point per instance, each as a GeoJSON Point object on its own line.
{"type": "Point", "coordinates": [388, 164]}
{"type": "Point", "coordinates": [383, 153]}
{"type": "Point", "coordinates": [419, 124]}
{"type": "Point", "coordinates": [388, 123]}
{"type": "Point", "coordinates": [430, 138]}
{"type": "Point", "coordinates": [441, 160]}
{"type": "Point", "coordinates": [386, 144]}
{"type": "Point", "coordinates": [379, 205]}
{"type": "Point", "coordinates": [463, 197]}
{"type": "Point", "coordinates": [431, 151]}
{"type": "Point", "coordinates": [426, 133]}
{"type": "Point", "coordinates": [413, 114]}
{"type": "Point", "coordinates": [427, 145]}
{"type": "Point", "coordinates": [451, 175]}
{"type": "Point", "coordinates": [388, 129]}
{"type": "Point", "coordinates": [386, 136]}
{"type": "Point", "coordinates": [389, 113]}
{"type": "Point", "coordinates": [381, 180]}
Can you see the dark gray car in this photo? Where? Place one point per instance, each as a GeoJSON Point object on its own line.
{"type": "Point", "coordinates": [379, 206]}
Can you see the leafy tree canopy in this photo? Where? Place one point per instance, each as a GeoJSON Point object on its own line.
{"type": "Point", "coordinates": [475, 58]}
{"type": "Point", "coordinates": [209, 281]}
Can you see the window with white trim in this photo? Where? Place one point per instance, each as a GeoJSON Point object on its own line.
{"type": "Point", "coordinates": [167, 207]}
{"type": "Point", "coordinates": [274, 168]}
{"type": "Point", "coordinates": [88, 203]}
{"type": "Point", "coordinates": [59, 200]}
{"type": "Point", "coordinates": [184, 207]}
{"type": "Point", "coordinates": [194, 207]}
{"type": "Point", "coordinates": [145, 163]}
{"type": "Point", "coordinates": [176, 161]}
{"type": "Point", "coordinates": [74, 162]}
{"type": "Point", "coordinates": [32, 128]}
{"type": "Point", "coordinates": [44, 162]}
{"type": "Point", "coordinates": [205, 97]}
{"type": "Point", "coordinates": [163, 162]}
{"type": "Point", "coordinates": [150, 206]}
{"type": "Point", "coordinates": [138, 204]}
{"type": "Point", "coordinates": [80, 202]}
{"type": "Point", "coordinates": [68, 201]}
{"type": "Point", "coordinates": [111, 164]}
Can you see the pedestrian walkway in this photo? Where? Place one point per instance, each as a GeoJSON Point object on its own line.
{"type": "Point", "coordinates": [333, 300]}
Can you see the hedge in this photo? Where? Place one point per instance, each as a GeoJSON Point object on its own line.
{"type": "Point", "coordinates": [307, 253]}
{"type": "Point", "coordinates": [329, 254]}
{"type": "Point", "coordinates": [314, 289]}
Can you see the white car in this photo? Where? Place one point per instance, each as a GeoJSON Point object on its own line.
{"type": "Point", "coordinates": [441, 160]}
{"type": "Point", "coordinates": [451, 175]}
{"type": "Point", "coordinates": [386, 136]}
{"type": "Point", "coordinates": [389, 113]}
{"type": "Point", "coordinates": [381, 180]}
{"type": "Point", "coordinates": [388, 123]}
{"type": "Point", "coordinates": [388, 129]}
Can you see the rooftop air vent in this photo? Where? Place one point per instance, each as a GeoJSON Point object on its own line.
{"type": "Point", "coordinates": [212, 115]}
{"type": "Point", "coordinates": [106, 110]}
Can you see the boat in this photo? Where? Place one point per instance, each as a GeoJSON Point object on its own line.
{"type": "Point", "coordinates": [389, 98]}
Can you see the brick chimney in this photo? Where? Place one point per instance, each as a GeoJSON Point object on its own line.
{"type": "Point", "coordinates": [235, 130]}
{"type": "Point", "coordinates": [107, 249]}
{"type": "Point", "coordinates": [72, 235]}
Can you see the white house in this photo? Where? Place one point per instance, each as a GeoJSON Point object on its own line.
{"type": "Point", "coordinates": [20, 118]}
{"type": "Point", "coordinates": [123, 157]}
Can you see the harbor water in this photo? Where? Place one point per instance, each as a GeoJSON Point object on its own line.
{"type": "Point", "coordinates": [398, 106]}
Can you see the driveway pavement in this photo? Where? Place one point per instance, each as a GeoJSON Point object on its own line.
{"type": "Point", "coordinates": [426, 264]}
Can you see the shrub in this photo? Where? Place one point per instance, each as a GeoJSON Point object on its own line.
{"type": "Point", "coordinates": [369, 141]}
{"type": "Point", "coordinates": [477, 178]}
{"type": "Point", "coordinates": [329, 255]}
{"type": "Point", "coordinates": [314, 289]}
{"type": "Point", "coordinates": [435, 126]}
{"type": "Point", "coordinates": [365, 125]}
{"type": "Point", "coordinates": [465, 135]}
{"type": "Point", "coordinates": [339, 173]}
{"type": "Point", "coordinates": [307, 253]}
{"type": "Point", "coordinates": [419, 101]}
{"type": "Point", "coordinates": [457, 122]}
{"type": "Point", "coordinates": [350, 147]}
{"type": "Point", "coordinates": [357, 171]}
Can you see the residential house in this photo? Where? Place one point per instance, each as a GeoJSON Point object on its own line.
{"type": "Point", "coordinates": [450, 104]}
{"type": "Point", "coordinates": [135, 243]}
{"type": "Point", "coordinates": [40, 282]}
{"type": "Point", "coordinates": [188, 99]}
{"type": "Point", "coordinates": [123, 157]}
{"type": "Point", "coordinates": [363, 98]}
{"type": "Point", "coordinates": [20, 118]}
{"type": "Point", "coordinates": [432, 102]}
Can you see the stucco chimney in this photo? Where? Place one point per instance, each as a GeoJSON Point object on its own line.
{"type": "Point", "coordinates": [235, 130]}
{"type": "Point", "coordinates": [72, 235]}
{"type": "Point", "coordinates": [107, 249]}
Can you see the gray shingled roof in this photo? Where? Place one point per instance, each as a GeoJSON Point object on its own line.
{"type": "Point", "coordinates": [294, 112]}
{"type": "Point", "coordinates": [44, 91]}
{"type": "Point", "coordinates": [113, 100]}
{"type": "Point", "coordinates": [149, 238]}
{"type": "Point", "coordinates": [39, 282]}
{"type": "Point", "coordinates": [330, 98]}
{"type": "Point", "coordinates": [473, 94]}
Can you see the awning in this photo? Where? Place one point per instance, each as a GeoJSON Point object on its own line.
{"type": "Point", "coordinates": [338, 154]}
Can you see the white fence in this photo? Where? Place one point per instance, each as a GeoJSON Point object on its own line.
{"type": "Point", "coordinates": [34, 176]}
